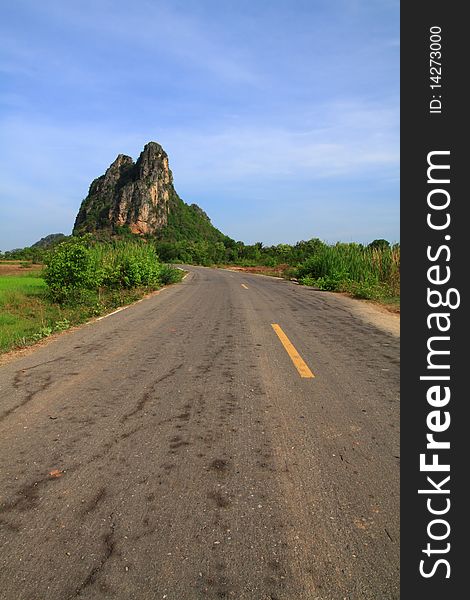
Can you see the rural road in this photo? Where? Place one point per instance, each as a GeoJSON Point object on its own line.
{"type": "Point", "coordinates": [173, 450]}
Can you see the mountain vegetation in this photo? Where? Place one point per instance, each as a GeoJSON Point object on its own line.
{"type": "Point", "coordinates": [50, 240]}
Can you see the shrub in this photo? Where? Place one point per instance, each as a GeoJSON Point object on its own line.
{"type": "Point", "coordinates": [71, 268]}
{"type": "Point", "coordinates": [270, 261]}
{"type": "Point", "coordinates": [312, 267]}
{"type": "Point", "coordinates": [80, 269]}
{"type": "Point", "coordinates": [364, 290]}
{"type": "Point", "coordinates": [307, 280]}
{"type": "Point", "coordinates": [61, 324]}
{"type": "Point", "coordinates": [170, 275]}
{"type": "Point", "coordinates": [44, 331]}
{"type": "Point", "coordinates": [334, 282]}
{"type": "Point", "coordinates": [128, 264]}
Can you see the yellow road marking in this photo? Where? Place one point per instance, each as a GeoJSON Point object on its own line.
{"type": "Point", "coordinates": [295, 357]}
{"type": "Point", "coordinates": [244, 286]}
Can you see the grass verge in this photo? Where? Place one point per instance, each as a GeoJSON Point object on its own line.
{"type": "Point", "coordinates": [27, 314]}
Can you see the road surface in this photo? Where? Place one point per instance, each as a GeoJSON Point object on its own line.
{"type": "Point", "coordinates": [177, 450]}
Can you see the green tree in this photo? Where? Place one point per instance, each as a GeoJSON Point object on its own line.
{"type": "Point", "coordinates": [380, 244]}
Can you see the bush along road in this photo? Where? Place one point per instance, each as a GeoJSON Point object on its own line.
{"type": "Point", "coordinates": [82, 279]}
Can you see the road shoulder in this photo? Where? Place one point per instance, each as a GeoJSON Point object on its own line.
{"type": "Point", "coordinates": [371, 313]}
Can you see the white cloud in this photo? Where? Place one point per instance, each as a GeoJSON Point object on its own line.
{"type": "Point", "coordinates": [350, 140]}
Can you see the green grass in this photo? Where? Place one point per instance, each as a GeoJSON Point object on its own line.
{"type": "Point", "coordinates": [27, 313]}
{"type": "Point", "coordinates": [13, 288]}
{"type": "Point", "coordinates": [364, 272]}
{"type": "Point", "coordinates": [23, 309]}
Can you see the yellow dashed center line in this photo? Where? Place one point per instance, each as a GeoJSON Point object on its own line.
{"type": "Point", "coordinates": [295, 357]}
{"type": "Point", "coordinates": [244, 286]}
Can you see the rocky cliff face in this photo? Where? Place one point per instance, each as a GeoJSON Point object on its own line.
{"type": "Point", "coordinates": [130, 194]}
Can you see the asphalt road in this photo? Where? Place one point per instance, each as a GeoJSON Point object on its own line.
{"type": "Point", "coordinates": [172, 450]}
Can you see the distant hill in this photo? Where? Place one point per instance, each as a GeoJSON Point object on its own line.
{"type": "Point", "coordinates": [49, 240]}
{"type": "Point", "coordinates": [140, 198]}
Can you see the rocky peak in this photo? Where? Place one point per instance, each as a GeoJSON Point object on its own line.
{"type": "Point", "coordinates": [152, 159]}
{"type": "Point", "coordinates": [121, 160]}
{"type": "Point", "coordinates": [115, 172]}
{"type": "Point", "coordinates": [132, 194]}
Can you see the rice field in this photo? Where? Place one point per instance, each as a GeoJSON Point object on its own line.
{"type": "Point", "coordinates": [23, 310]}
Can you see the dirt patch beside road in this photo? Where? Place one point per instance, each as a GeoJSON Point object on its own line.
{"type": "Point", "coordinates": [277, 271]}
{"type": "Point", "coordinates": [373, 313]}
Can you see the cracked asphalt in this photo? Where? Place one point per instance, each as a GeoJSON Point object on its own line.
{"type": "Point", "coordinates": [172, 450]}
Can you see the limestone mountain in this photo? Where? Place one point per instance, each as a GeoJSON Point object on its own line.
{"type": "Point", "coordinates": [140, 197]}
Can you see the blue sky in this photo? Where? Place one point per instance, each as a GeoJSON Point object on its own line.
{"type": "Point", "coordinates": [280, 117]}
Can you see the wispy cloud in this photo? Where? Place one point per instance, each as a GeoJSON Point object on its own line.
{"type": "Point", "coordinates": [349, 141]}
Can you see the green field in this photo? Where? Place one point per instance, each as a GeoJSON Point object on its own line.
{"type": "Point", "coordinates": [28, 315]}
{"type": "Point", "coordinates": [80, 282]}
{"type": "Point", "coordinates": [23, 310]}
